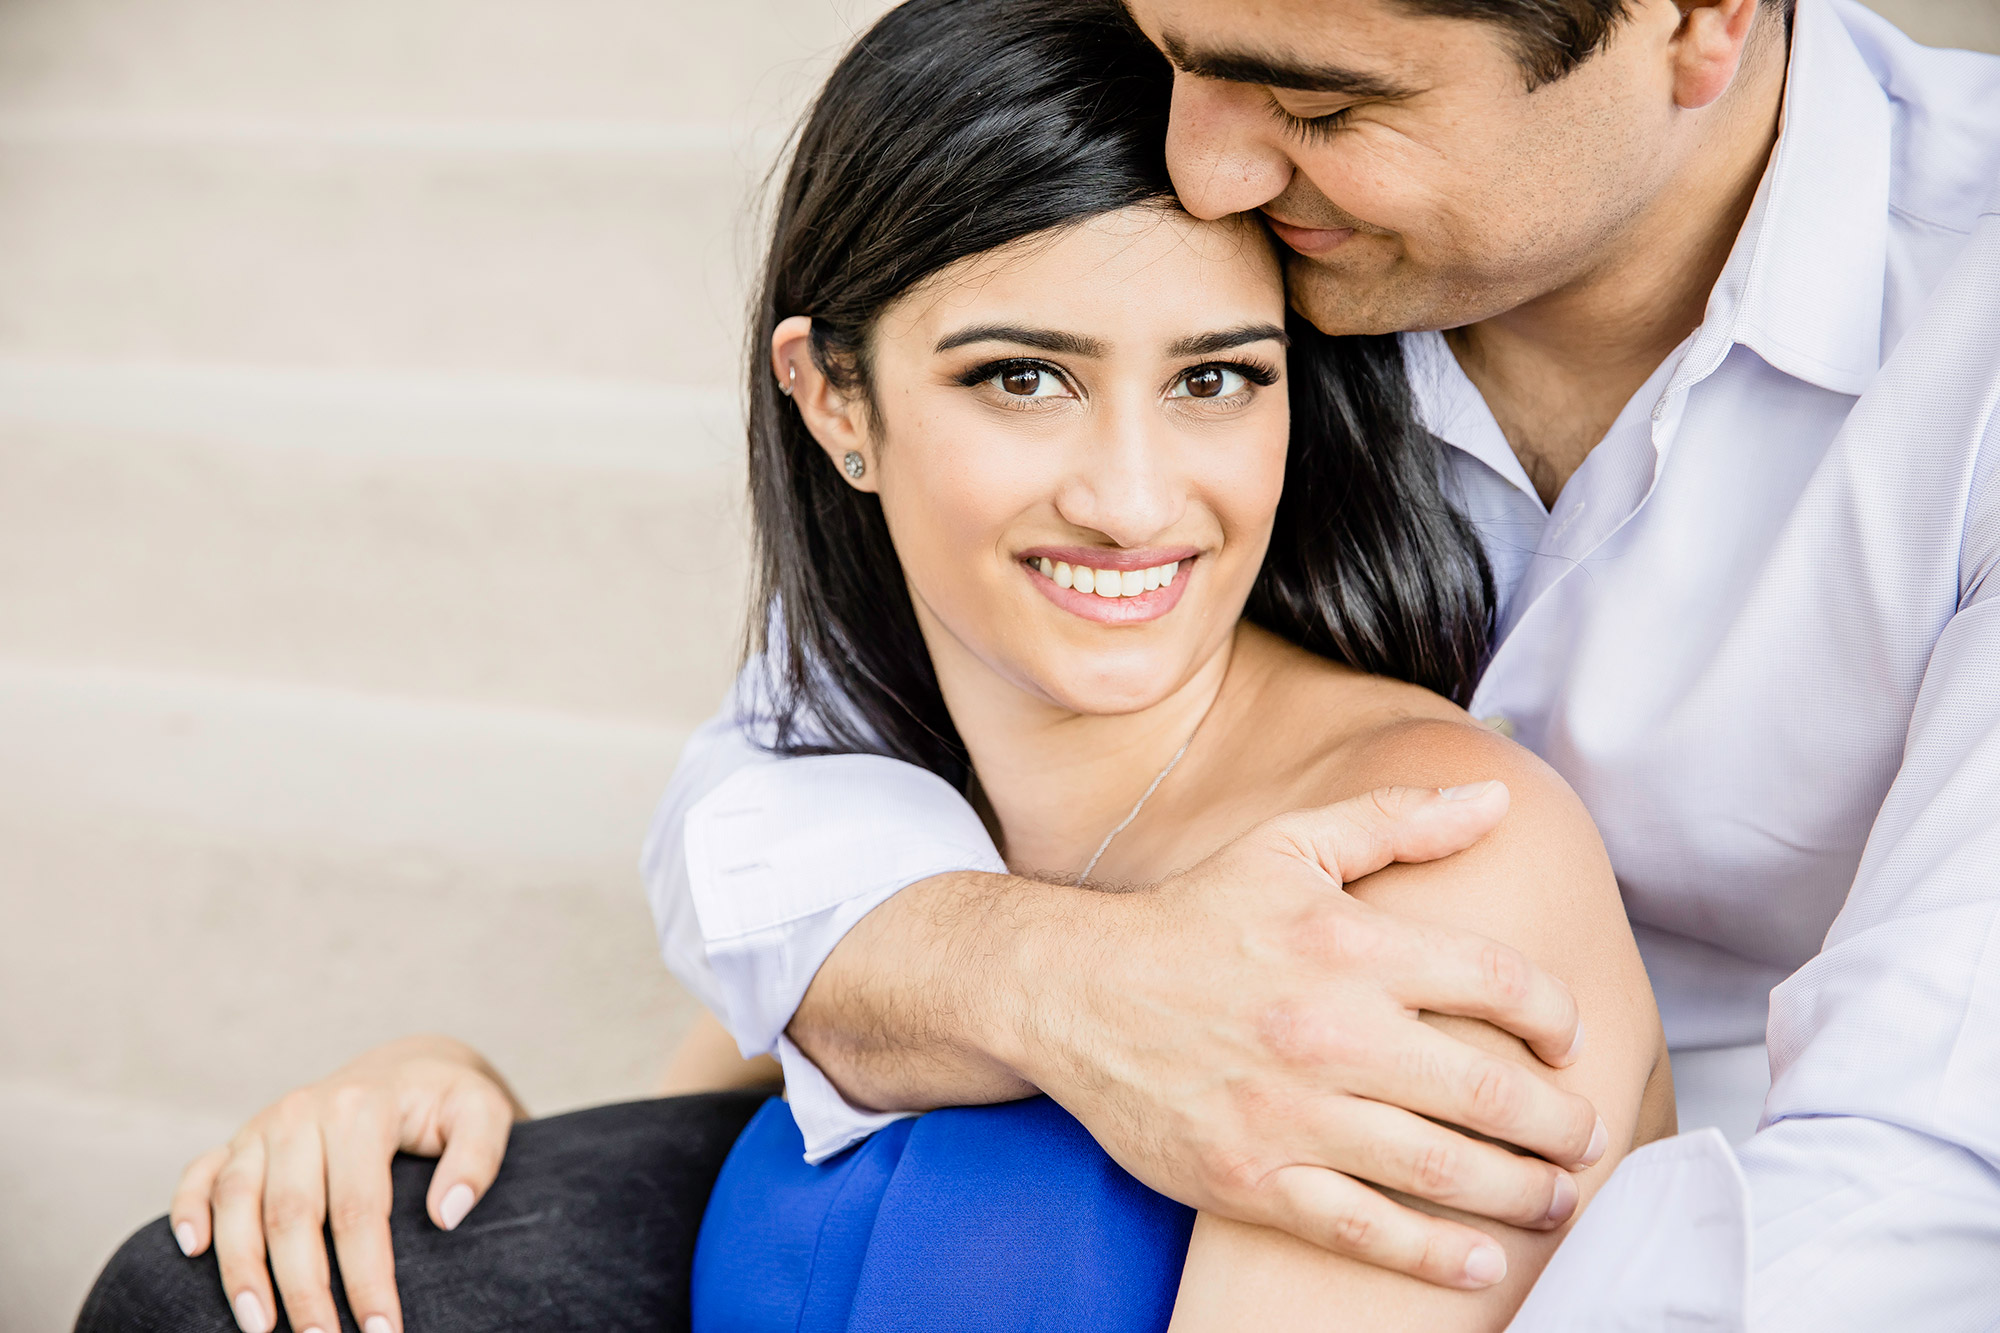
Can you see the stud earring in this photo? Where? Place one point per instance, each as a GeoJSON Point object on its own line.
{"type": "Point", "coordinates": [854, 465]}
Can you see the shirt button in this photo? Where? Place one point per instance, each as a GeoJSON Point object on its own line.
{"type": "Point", "coordinates": [1500, 724]}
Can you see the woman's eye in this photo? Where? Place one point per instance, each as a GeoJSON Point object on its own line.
{"type": "Point", "coordinates": [1030, 382]}
{"type": "Point", "coordinates": [1210, 382]}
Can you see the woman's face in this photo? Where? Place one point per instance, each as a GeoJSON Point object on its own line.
{"type": "Point", "coordinates": [1079, 442]}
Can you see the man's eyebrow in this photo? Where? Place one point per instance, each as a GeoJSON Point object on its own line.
{"type": "Point", "coordinates": [1208, 344]}
{"type": "Point", "coordinates": [1046, 340]}
{"type": "Point", "coordinates": [1270, 72]}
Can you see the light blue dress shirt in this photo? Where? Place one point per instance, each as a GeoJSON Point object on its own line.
{"type": "Point", "coordinates": [1759, 633]}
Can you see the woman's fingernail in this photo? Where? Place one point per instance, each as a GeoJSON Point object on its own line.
{"type": "Point", "coordinates": [1564, 1203]}
{"type": "Point", "coordinates": [1471, 791]}
{"type": "Point", "coordinates": [315, 1329]}
{"type": "Point", "coordinates": [1485, 1265]}
{"type": "Point", "coordinates": [376, 1324]}
{"type": "Point", "coordinates": [456, 1204]}
{"type": "Point", "coordinates": [250, 1313]}
{"type": "Point", "coordinates": [1600, 1139]}
{"type": "Point", "coordinates": [184, 1237]}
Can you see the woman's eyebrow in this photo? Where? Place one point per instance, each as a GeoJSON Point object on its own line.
{"type": "Point", "coordinates": [1207, 344]}
{"type": "Point", "coordinates": [1046, 340]}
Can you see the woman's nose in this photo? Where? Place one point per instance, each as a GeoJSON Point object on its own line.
{"type": "Point", "coordinates": [1220, 148]}
{"type": "Point", "coordinates": [1127, 484]}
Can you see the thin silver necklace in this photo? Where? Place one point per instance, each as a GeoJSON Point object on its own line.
{"type": "Point", "coordinates": [1126, 822]}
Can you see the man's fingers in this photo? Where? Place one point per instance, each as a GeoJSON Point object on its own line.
{"type": "Point", "coordinates": [1346, 1217]}
{"type": "Point", "coordinates": [294, 1218]}
{"type": "Point", "coordinates": [1437, 1076]}
{"type": "Point", "coordinates": [1357, 837]}
{"type": "Point", "coordinates": [188, 1214]}
{"type": "Point", "coordinates": [360, 1145]}
{"type": "Point", "coordinates": [1456, 972]}
{"type": "Point", "coordinates": [476, 1121]}
{"type": "Point", "coordinates": [238, 1200]}
{"type": "Point", "coordinates": [1390, 1147]}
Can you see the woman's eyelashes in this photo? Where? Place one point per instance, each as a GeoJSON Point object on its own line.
{"type": "Point", "coordinates": [1024, 383]}
{"type": "Point", "coordinates": [1221, 381]}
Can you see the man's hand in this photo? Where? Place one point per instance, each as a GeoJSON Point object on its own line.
{"type": "Point", "coordinates": [1247, 1041]}
{"type": "Point", "coordinates": [321, 1154]}
{"type": "Point", "coordinates": [1243, 1037]}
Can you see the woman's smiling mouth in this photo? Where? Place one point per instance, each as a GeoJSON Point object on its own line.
{"type": "Point", "coordinates": [1111, 587]}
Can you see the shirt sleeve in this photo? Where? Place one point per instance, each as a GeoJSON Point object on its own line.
{"type": "Point", "coordinates": [1870, 1196]}
{"type": "Point", "coordinates": [757, 865]}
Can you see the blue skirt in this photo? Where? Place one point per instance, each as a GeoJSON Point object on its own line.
{"type": "Point", "coordinates": [996, 1217]}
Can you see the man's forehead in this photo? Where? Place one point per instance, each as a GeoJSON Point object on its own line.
{"type": "Point", "coordinates": [1371, 49]}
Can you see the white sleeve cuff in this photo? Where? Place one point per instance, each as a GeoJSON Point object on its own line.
{"type": "Point", "coordinates": [784, 858]}
{"type": "Point", "coordinates": [827, 1120]}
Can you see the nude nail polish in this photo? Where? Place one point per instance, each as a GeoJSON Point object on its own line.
{"type": "Point", "coordinates": [184, 1237]}
{"type": "Point", "coordinates": [249, 1313]}
{"type": "Point", "coordinates": [376, 1324]}
{"type": "Point", "coordinates": [457, 1202]}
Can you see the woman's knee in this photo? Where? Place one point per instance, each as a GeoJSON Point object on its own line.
{"type": "Point", "coordinates": [149, 1286]}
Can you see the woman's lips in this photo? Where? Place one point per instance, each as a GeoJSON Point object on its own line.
{"type": "Point", "coordinates": [1169, 576]}
{"type": "Point", "coordinates": [1309, 240]}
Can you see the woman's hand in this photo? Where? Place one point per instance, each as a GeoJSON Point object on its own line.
{"type": "Point", "coordinates": [321, 1154]}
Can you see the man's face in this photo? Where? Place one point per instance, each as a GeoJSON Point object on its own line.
{"type": "Point", "coordinates": [1417, 181]}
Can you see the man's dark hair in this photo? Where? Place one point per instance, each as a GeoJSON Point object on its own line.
{"type": "Point", "coordinates": [1551, 37]}
{"type": "Point", "coordinates": [958, 126]}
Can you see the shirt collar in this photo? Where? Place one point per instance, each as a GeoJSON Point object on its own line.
{"type": "Point", "coordinates": [1803, 287]}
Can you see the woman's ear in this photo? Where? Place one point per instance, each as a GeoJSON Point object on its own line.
{"type": "Point", "coordinates": [839, 422]}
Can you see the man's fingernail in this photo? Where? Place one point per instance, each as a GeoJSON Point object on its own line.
{"type": "Point", "coordinates": [1564, 1202]}
{"type": "Point", "coordinates": [1471, 791]}
{"type": "Point", "coordinates": [1485, 1266]}
{"type": "Point", "coordinates": [1600, 1139]}
{"type": "Point", "coordinates": [457, 1203]}
{"type": "Point", "coordinates": [250, 1313]}
{"type": "Point", "coordinates": [1575, 1044]}
{"type": "Point", "coordinates": [376, 1324]}
{"type": "Point", "coordinates": [184, 1237]}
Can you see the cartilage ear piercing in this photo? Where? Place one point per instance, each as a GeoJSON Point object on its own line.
{"type": "Point", "coordinates": [855, 465]}
{"type": "Point", "coordinates": [791, 383]}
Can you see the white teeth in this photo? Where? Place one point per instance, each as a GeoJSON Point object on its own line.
{"type": "Point", "coordinates": [1106, 582]}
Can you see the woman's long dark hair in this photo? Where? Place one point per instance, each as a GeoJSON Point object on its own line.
{"type": "Point", "coordinates": [957, 126]}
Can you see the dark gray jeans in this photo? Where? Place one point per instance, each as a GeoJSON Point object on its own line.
{"type": "Point", "coordinates": [590, 1227]}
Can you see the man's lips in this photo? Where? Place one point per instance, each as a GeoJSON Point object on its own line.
{"type": "Point", "coordinates": [1309, 240]}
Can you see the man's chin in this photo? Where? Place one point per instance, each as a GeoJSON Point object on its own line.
{"type": "Point", "coordinates": [1346, 299]}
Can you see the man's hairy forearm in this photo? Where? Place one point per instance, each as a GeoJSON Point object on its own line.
{"type": "Point", "coordinates": [923, 1004]}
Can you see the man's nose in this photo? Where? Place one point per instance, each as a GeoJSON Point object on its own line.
{"type": "Point", "coordinates": [1221, 149]}
{"type": "Point", "coordinates": [1128, 484]}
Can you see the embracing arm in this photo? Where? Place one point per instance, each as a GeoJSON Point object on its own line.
{"type": "Point", "coordinates": [1541, 883]}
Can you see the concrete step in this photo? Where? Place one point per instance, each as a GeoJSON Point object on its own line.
{"type": "Point", "coordinates": [212, 891]}
{"type": "Point", "coordinates": [78, 1174]}
{"type": "Point", "coordinates": [450, 60]}
{"type": "Point", "coordinates": [418, 256]}
{"type": "Point", "coordinates": [568, 547]}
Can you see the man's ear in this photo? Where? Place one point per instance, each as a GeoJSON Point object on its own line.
{"type": "Point", "coordinates": [1708, 48]}
{"type": "Point", "coordinates": [839, 422]}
